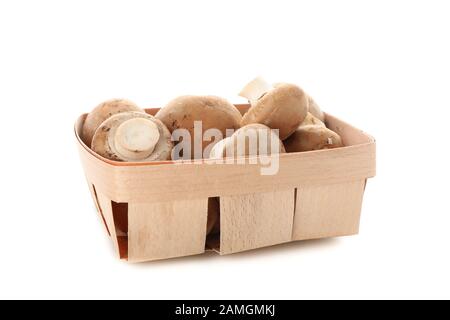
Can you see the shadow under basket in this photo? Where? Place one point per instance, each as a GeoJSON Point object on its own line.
{"type": "Point", "coordinates": [159, 210]}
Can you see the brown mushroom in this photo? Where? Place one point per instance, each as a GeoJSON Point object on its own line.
{"type": "Point", "coordinates": [312, 134]}
{"type": "Point", "coordinates": [250, 140]}
{"type": "Point", "coordinates": [315, 110]}
{"type": "Point", "coordinates": [102, 112]}
{"type": "Point", "coordinates": [133, 137]}
{"type": "Point", "coordinates": [282, 106]}
{"type": "Point", "coordinates": [213, 112]}
{"type": "Point", "coordinates": [311, 120]}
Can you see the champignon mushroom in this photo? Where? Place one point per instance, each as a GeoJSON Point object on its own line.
{"type": "Point", "coordinates": [250, 140]}
{"type": "Point", "coordinates": [133, 137]}
{"type": "Point", "coordinates": [312, 134]}
{"type": "Point", "coordinates": [102, 112]}
{"type": "Point", "coordinates": [219, 149]}
{"type": "Point", "coordinates": [282, 106]}
{"type": "Point", "coordinates": [213, 112]}
{"type": "Point", "coordinates": [315, 110]}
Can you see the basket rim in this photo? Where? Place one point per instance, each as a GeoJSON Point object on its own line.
{"type": "Point", "coordinates": [371, 140]}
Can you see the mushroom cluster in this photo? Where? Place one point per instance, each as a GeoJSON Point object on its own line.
{"type": "Point", "coordinates": [287, 108]}
{"type": "Point", "coordinates": [282, 106]}
{"type": "Point", "coordinates": [281, 118]}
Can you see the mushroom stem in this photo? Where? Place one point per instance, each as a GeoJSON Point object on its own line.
{"type": "Point", "coordinates": [136, 139]}
{"type": "Point", "coordinates": [255, 89]}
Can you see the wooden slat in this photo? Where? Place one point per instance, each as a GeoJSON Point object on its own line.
{"type": "Point", "coordinates": [97, 206]}
{"type": "Point", "coordinates": [105, 204]}
{"type": "Point", "coordinates": [166, 230]}
{"type": "Point", "coordinates": [328, 211]}
{"type": "Point", "coordinates": [256, 220]}
{"type": "Point", "coordinates": [192, 181]}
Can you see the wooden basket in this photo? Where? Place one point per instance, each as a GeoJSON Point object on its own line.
{"type": "Point", "coordinates": [159, 210]}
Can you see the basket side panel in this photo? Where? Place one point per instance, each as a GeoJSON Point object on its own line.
{"type": "Point", "coordinates": [328, 210]}
{"type": "Point", "coordinates": [255, 220]}
{"type": "Point", "coordinates": [166, 230]}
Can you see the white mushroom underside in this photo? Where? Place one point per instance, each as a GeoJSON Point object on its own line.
{"type": "Point", "coordinates": [218, 149]}
{"type": "Point", "coordinates": [247, 142]}
{"type": "Point", "coordinates": [136, 138]}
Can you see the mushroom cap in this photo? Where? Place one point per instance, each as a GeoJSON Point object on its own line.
{"type": "Point", "coordinates": [214, 113]}
{"type": "Point", "coordinates": [102, 112]}
{"type": "Point", "coordinates": [283, 108]}
{"type": "Point", "coordinates": [133, 137]}
{"type": "Point", "coordinates": [315, 110]}
{"type": "Point", "coordinates": [264, 136]}
{"type": "Point", "coordinates": [312, 137]}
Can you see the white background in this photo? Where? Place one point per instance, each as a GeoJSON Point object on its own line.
{"type": "Point", "coordinates": [381, 65]}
